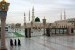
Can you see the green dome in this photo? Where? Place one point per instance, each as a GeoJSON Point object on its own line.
{"type": "Point", "coordinates": [37, 19]}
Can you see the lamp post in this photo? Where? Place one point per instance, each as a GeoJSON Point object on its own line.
{"type": "Point", "coordinates": [3, 13]}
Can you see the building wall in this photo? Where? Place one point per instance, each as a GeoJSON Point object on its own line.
{"type": "Point", "coordinates": [61, 24]}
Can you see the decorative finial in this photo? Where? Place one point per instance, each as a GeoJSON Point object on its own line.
{"type": "Point", "coordinates": [24, 14]}
{"type": "Point", "coordinates": [64, 15]}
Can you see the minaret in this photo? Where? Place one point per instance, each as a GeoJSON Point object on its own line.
{"type": "Point", "coordinates": [44, 24]}
{"type": "Point", "coordinates": [44, 21]}
{"type": "Point", "coordinates": [29, 15]}
{"type": "Point", "coordinates": [61, 16]}
{"type": "Point", "coordinates": [33, 17]}
{"type": "Point", "coordinates": [64, 15]}
{"type": "Point", "coordinates": [24, 20]}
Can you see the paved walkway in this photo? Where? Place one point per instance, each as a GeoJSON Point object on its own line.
{"type": "Point", "coordinates": [44, 43]}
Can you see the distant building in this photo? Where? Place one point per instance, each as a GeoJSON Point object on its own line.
{"type": "Point", "coordinates": [72, 21]}
{"type": "Point", "coordinates": [61, 24]}
{"type": "Point", "coordinates": [17, 27]}
{"type": "Point", "coordinates": [12, 27]}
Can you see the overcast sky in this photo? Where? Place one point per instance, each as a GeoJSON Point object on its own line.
{"type": "Point", "coordinates": [51, 9]}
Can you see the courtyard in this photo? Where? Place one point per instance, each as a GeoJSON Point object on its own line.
{"type": "Point", "coordinates": [44, 43]}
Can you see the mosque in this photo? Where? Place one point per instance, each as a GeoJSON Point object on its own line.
{"type": "Point", "coordinates": [57, 27]}
{"type": "Point", "coordinates": [35, 22]}
{"type": "Point", "coordinates": [60, 26]}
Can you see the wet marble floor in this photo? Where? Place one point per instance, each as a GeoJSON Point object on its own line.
{"type": "Point", "coordinates": [44, 43]}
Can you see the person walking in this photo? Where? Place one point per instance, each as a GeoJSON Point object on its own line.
{"type": "Point", "coordinates": [11, 42]}
{"type": "Point", "coordinates": [19, 42]}
{"type": "Point", "coordinates": [15, 43]}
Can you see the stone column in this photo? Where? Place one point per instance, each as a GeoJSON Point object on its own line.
{"type": "Point", "coordinates": [55, 31]}
{"type": "Point", "coordinates": [3, 13]}
{"type": "Point", "coordinates": [3, 43]}
{"type": "Point", "coordinates": [26, 32]}
{"type": "Point", "coordinates": [29, 32]}
{"type": "Point", "coordinates": [59, 31]}
{"type": "Point", "coordinates": [63, 30]}
{"type": "Point", "coordinates": [47, 31]}
{"type": "Point", "coordinates": [69, 30]}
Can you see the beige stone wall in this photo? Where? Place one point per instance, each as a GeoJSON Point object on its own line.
{"type": "Point", "coordinates": [62, 24]}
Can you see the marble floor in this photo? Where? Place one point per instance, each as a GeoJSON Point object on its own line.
{"type": "Point", "coordinates": [44, 43]}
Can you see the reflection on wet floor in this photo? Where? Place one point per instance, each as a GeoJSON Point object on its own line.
{"type": "Point", "coordinates": [44, 43]}
{"type": "Point", "coordinates": [15, 48]}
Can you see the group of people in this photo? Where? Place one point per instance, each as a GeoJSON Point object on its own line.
{"type": "Point", "coordinates": [15, 43]}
